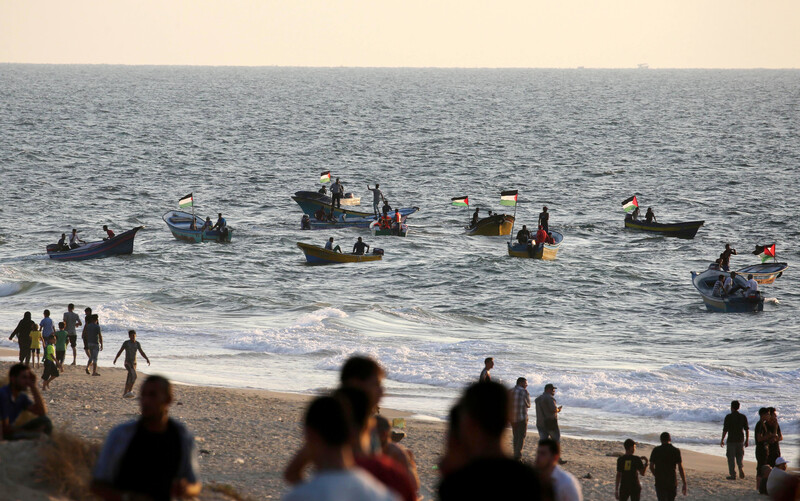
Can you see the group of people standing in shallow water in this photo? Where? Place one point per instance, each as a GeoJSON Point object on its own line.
{"type": "Point", "coordinates": [51, 343]}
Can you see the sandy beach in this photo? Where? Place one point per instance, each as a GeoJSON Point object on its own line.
{"type": "Point", "coordinates": [247, 436]}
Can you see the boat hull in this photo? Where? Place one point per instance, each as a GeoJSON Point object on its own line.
{"type": "Point", "coordinates": [679, 230]}
{"type": "Point", "coordinates": [319, 255]}
{"type": "Point", "coordinates": [765, 273]}
{"type": "Point", "coordinates": [310, 204]}
{"type": "Point", "coordinates": [492, 226]}
{"type": "Point", "coordinates": [119, 245]}
{"type": "Point", "coordinates": [179, 224]}
{"type": "Point", "coordinates": [547, 252]}
{"type": "Point", "coordinates": [737, 303]}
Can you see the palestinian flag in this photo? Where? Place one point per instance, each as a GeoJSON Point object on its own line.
{"type": "Point", "coordinates": [187, 201]}
{"type": "Point", "coordinates": [460, 201]}
{"type": "Point", "coordinates": [765, 252]}
{"type": "Point", "coordinates": [630, 204]}
{"type": "Point", "coordinates": [508, 198]}
{"type": "Point", "coordinates": [325, 177]}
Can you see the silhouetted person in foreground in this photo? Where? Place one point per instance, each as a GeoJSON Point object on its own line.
{"type": "Point", "coordinates": [152, 458]}
{"type": "Point", "coordinates": [663, 461]}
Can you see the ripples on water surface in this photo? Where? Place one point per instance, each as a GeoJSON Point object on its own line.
{"type": "Point", "coordinates": [614, 322]}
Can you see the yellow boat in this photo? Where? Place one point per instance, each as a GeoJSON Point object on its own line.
{"type": "Point", "coordinates": [547, 252]}
{"type": "Point", "coordinates": [492, 226]}
{"type": "Point", "coordinates": [320, 255]}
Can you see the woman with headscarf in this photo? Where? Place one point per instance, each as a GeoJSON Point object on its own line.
{"type": "Point", "coordinates": [23, 333]}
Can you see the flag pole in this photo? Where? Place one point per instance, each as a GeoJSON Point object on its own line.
{"type": "Point", "coordinates": [511, 235]}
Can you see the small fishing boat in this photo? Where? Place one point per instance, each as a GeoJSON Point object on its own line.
{"type": "Point", "coordinates": [320, 255]}
{"type": "Point", "coordinates": [680, 230]}
{"type": "Point", "coordinates": [764, 273]}
{"type": "Point", "coordinates": [736, 303]}
{"type": "Point", "coordinates": [492, 226]}
{"type": "Point", "coordinates": [180, 224]}
{"type": "Point", "coordinates": [350, 200]}
{"type": "Point", "coordinates": [541, 251]}
{"type": "Point", "coordinates": [316, 204]}
{"type": "Point", "coordinates": [378, 231]}
{"type": "Point", "coordinates": [119, 245]}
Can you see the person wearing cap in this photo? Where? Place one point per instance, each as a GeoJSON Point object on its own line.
{"type": "Point", "coordinates": [779, 479]}
{"type": "Point", "coordinates": [738, 431]}
{"type": "Point", "coordinates": [629, 468]}
{"type": "Point", "coordinates": [544, 219]}
{"type": "Point", "coordinates": [547, 414]}
{"type": "Point", "coordinates": [663, 461]}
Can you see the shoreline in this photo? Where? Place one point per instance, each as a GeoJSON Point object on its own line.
{"type": "Point", "coordinates": [249, 451]}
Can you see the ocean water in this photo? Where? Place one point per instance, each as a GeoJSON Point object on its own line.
{"type": "Point", "coordinates": [614, 322]}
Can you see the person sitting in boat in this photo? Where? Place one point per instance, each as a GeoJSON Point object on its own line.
{"type": "Point", "coordinates": [730, 287]}
{"type": "Point", "coordinates": [305, 222]}
{"type": "Point", "coordinates": [541, 235]}
{"type": "Point", "coordinates": [386, 208]}
{"type": "Point", "coordinates": [752, 287]}
{"type": "Point", "coordinates": [329, 246]}
{"type": "Point", "coordinates": [550, 239]}
{"type": "Point", "coordinates": [207, 225]}
{"type": "Point", "coordinates": [650, 216]}
{"type": "Point", "coordinates": [74, 241]}
{"type": "Point", "coordinates": [220, 224]}
{"type": "Point", "coordinates": [110, 233]}
{"type": "Point", "coordinates": [323, 190]}
{"type": "Point", "coordinates": [360, 247]}
{"type": "Point", "coordinates": [635, 214]}
{"type": "Point", "coordinates": [718, 286]}
{"type": "Point", "coordinates": [331, 217]}
{"type": "Point", "coordinates": [544, 219]}
{"type": "Point", "coordinates": [714, 266]}
{"type": "Point", "coordinates": [475, 217]}
{"type": "Point", "coordinates": [725, 257]}
{"type": "Point", "coordinates": [62, 243]}
{"type": "Point", "coordinates": [523, 235]}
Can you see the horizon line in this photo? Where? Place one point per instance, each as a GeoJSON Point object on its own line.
{"type": "Point", "coordinates": [732, 68]}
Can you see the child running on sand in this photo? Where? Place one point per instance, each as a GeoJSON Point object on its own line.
{"type": "Point", "coordinates": [130, 347]}
{"type": "Point", "coordinates": [36, 345]}
{"type": "Point", "coordinates": [50, 368]}
{"type": "Point", "coordinates": [61, 345]}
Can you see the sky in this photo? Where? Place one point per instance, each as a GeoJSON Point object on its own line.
{"type": "Point", "coordinates": [405, 33]}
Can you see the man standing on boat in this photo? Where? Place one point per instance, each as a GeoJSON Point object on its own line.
{"type": "Point", "coordinates": [544, 219]}
{"type": "Point", "coordinates": [475, 218]}
{"type": "Point", "coordinates": [725, 257]}
{"type": "Point", "coordinates": [337, 190]}
{"type": "Point", "coordinates": [377, 196]}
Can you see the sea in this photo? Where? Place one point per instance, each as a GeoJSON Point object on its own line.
{"type": "Point", "coordinates": [614, 322]}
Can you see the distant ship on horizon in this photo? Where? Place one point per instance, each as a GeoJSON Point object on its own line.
{"type": "Point", "coordinates": [643, 66]}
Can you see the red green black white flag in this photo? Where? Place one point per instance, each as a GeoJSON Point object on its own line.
{"type": "Point", "coordinates": [460, 201]}
{"type": "Point", "coordinates": [767, 253]}
{"type": "Point", "coordinates": [508, 198]}
{"type": "Point", "coordinates": [630, 204]}
{"type": "Point", "coordinates": [187, 201]}
{"type": "Point", "coordinates": [325, 177]}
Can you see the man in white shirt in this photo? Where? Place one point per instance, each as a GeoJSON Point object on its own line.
{"type": "Point", "coordinates": [752, 287]}
{"type": "Point", "coordinates": [565, 485]}
{"type": "Point", "coordinates": [779, 480]}
{"type": "Point", "coordinates": [327, 445]}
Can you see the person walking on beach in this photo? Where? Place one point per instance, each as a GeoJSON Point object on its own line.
{"type": "Point", "coordinates": [377, 196]}
{"type": "Point", "coordinates": [520, 403]}
{"type": "Point", "coordinates": [72, 320]}
{"type": "Point", "coordinates": [336, 477]}
{"type": "Point", "coordinates": [547, 414]}
{"type": "Point", "coordinates": [488, 364]}
{"type": "Point", "coordinates": [762, 444]}
{"type": "Point", "coordinates": [738, 431]}
{"type": "Point", "coordinates": [774, 436]}
{"type": "Point", "coordinates": [47, 326]}
{"type": "Point", "coordinates": [50, 367]}
{"type": "Point", "coordinates": [87, 313]}
{"type": "Point", "coordinates": [565, 485]}
{"type": "Point", "coordinates": [36, 345]}
{"type": "Point", "coordinates": [153, 458]}
{"type": "Point", "coordinates": [61, 345]}
{"type": "Point", "coordinates": [663, 461]}
{"type": "Point", "coordinates": [94, 342]}
{"type": "Point", "coordinates": [130, 347]}
{"type": "Point", "coordinates": [481, 468]}
{"type": "Point", "coordinates": [23, 334]}
{"type": "Point", "coordinates": [629, 468]}
{"type": "Point", "coordinates": [14, 400]}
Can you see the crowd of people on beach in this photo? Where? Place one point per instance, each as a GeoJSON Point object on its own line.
{"type": "Point", "coordinates": [51, 343]}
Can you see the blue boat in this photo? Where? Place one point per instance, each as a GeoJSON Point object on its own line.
{"type": "Point", "coordinates": [180, 224]}
{"type": "Point", "coordinates": [116, 246]}
{"type": "Point", "coordinates": [318, 206]}
{"type": "Point", "coordinates": [736, 303]}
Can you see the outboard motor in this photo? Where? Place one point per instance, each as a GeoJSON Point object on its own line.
{"type": "Point", "coordinates": [378, 252]}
